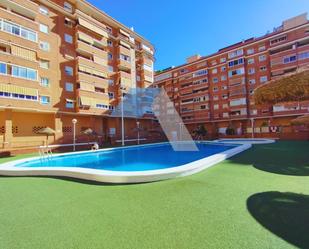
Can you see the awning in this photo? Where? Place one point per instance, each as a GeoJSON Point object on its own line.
{"type": "Point", "coordinates": [124, 33]}
{"type": "Point", "coordinates": [23, 52]}
{"type": "Point", "coordinates": [125, 44]}
{"type": "Point", "coordinates": [92, 27]}
{"type": "Point", "coordinates": [149, 79]}
{"type": "Point", "coordinates": [99, 60]}
{"type": "Point", "coordinates": [18, 90]}
{"type": "Point", "coordinates": [86, 86]}
{"type": "Point", "coordinates": [85, 101]}
{"type": "Point", "coordinates": [85, 38]}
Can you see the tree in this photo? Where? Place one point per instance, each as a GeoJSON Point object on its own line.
{"type": "Point", "coordinates": [200, 133]}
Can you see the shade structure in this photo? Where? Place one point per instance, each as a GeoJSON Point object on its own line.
{"type": "Point", "coordinates": [291, 87]}
{"type": "Point", "coordinates": [303, 120]}
{"type": "Point", "coordinates": [46, 131]}
{"type": "Point", "coordinates": [89, 132]}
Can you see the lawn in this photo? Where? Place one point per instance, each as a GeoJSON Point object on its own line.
{"type": "Point", "coordinates": [258, 199]}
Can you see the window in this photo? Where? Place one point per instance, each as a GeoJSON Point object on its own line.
{"type": "Point", "coordinates": [251, 61]}
{"type": "Point", "coordinates": [110, 68]}
{"type": "Point", "coordinates": [263, 68]}
{"type": "Point", "coordinates": [252, 81]}
{"type": "Point", "coordinates": [68, 23]}
{"type": "Point", "coordinates": [43, 10]}
{"type": "Point", "coordinates": [303, 56]}
{"type": "Point", "coordinates": [214, 71]}
{"type": "Point", "coordinates": [223, 69]}
{"type": "Point", "coordinates": [200, 73]}
{"type": "Point", "coordinates": [236, 53]}
{"type": "Point", "coordinates": [236, 102]}
{"type": "Point", "coordinates": [44, 64]}
{"type": "Point", "coordinates": [109, 43]}
{"type": "Point", "coordinates": [289, 59]}
{"type": "Point", "coordinates": [250, 51]}
{"type": "Point", "coordinates": [68, 70]}
{"type": "Point", "coordinates": [262, 57]}
{"type": "Point", "coordinates": [125, 57]}
{"type": "Point", "coordinates": [44, 46]}
{"type": "Point", "coordinates": [216, 97]}
{"type": "Point", "coordinates": [215, 89]}
{"type": "Point", "coordinates": [24, 72]}
{"type": "Point", "coordinates": [111, 82]}
{"type": "Point", "coordinates": [69, 104]}
{"type": "Point", "coordinates": [17, 30]}
{"type": "Point", "coordinates": [111, 95]}
{"type": "Point", "coordinates": [239, 71]}
{"type": "Point", "coordinates": [110, 56]}
{"type": "Point", "coordinates": [44, 28]}
{"type": "Point", "coordinates": [223, 77]}
{"type": "Point", "coordinates": [44, 82]}
{"type": "Point", "coordinates": [68, 7]}
{"type": "Point", "coordinates": [215, 80]}
{"type": "Point", "coordinates": [224, 87]}
{"type": "Point", "coordinates": [263, 79]}
{"type": "Point", "coordinates": [216, 107]}
{"type": "Point", "coordinates": [222, 60]}
{"type": "Point", "coordinates": [3, 68]}
{"type": "Point", "coordinates": [68, 38]}
{"type": "Point", "coordinates": [262, 48]}
{"type": "Point", "coordinates": [44, 100]}
{"type": "Point", "coordinates": [69, 87]}
{"type": "Point", "coordinates": [251, 71]}
{"type": "Point", "coordinates": [236, 62]}
{"type": "Point", "coordinates": [278, 40]}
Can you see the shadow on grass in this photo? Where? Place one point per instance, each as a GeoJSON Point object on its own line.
{"type": "Point", "coordinates": [284, 214]}
{"type": "Point", "coordinates": [285, 158]}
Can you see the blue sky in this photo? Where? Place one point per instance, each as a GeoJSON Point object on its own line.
{"type": "Point", "coordinates": [179, 30]}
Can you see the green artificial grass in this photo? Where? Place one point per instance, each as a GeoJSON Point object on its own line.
{"type": "Point", "coordinates": [258, 199]}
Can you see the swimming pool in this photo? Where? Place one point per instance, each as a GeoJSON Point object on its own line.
{"type": "Point", "coordinates": [129, 164]}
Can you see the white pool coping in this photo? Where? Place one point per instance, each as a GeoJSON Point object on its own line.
{"type": "Point", "coordinates": [106, 176]}
{"type": "Point", "coordinates": [249, 140]}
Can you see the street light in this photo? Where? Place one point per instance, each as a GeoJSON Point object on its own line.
{"type": "Point", "coordinates": [122, 120]}
{"type": "Point", "coordinates": [137, 123]}
{"type": "Point", "coordinates": [74, 121]}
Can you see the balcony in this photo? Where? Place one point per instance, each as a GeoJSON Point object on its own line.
{"type": "Point", "coordinates": [89, 50]}
{"type": "Point", "coordinates": [124, 50]}
{"type": "Point", "coordinates": [28, 9]}
{"type": "Point", "coordinates": [98, 82]}
{"type": "Point", "coordinates": [124, 65]}
{"type": "Point", "coordinates": [19, 20]}
{"type": "Point", "coordinates": [17, 60]}
{"type": "Point", "coordinates": [100, 97]}
{"type": "Point", "coordinates": [91, 64]}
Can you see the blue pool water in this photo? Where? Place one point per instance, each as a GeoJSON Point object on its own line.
{"type": "Point", "coordinates": [131, 159]}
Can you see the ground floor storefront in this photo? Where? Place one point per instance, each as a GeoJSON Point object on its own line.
{"type": "Point", "coordinates": [19, 129]}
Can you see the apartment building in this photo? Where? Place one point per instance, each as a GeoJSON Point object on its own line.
{"type": "Point", "coordinates": [217, 90]}
{"type": "Point", "coordinates": [62, 60]}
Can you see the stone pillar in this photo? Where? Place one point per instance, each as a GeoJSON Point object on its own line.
{"type": "Point", "coordinates": [8, 124]}
{"type": "Point", "coordinates": [58, 128]}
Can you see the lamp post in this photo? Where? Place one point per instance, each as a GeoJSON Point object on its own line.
{"type": "Point", "coordinates": [122, 120]}
{"type": "Point", "coordinates": [252, 127]}
{"type": "Point", "coordinates": [137, 123]}
{"type": "Point", "coordinates": [74, 121]}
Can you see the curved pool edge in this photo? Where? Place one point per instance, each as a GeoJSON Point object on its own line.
{"type": "Point", "coordinates": [120, 177]}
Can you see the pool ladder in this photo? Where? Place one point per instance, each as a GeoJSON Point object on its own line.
{"type": "Point", "coordinates": [45, 153]}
